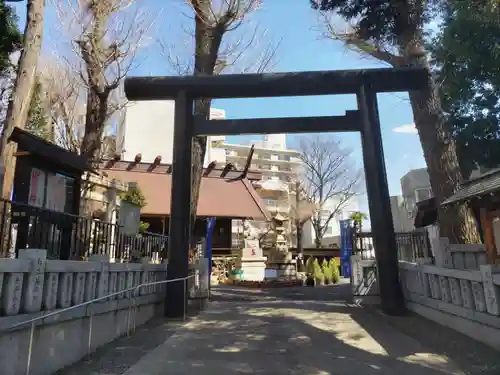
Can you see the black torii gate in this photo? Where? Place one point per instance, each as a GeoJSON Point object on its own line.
{"type": "Point", "coordinates": [364, 83]}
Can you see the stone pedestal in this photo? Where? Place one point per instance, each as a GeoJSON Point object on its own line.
{"type": "Point", "coordinates": [251, 261]}
{"type": "Point", "coordinates": [285, 270]}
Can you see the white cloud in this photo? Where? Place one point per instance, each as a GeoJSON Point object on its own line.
{"type": "Point", "coordinates": [408, 128]}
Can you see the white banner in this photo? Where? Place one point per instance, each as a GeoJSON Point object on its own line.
{"type": "Point", "coordinates": [56, 193]}
{"type": "Point", "coordinates": [37, 187]}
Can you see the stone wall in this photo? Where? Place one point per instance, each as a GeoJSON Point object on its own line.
{"type": "Point", "coordinates": [32, 286]}
{"type": "Point", "coordinates": [459, 291]}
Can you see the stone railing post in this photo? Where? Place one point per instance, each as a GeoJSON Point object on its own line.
{"type": "Point", "coordinates": [103, 275]}
{"type": "Point", "coordinates": [357, 273]}
{"type": "Point", "coordinates": [11, 275]}
{"type": "Point", "coordinates": [33, 284]}
{"type": "Point", "coordinates": [424, 279]}
{"type": "Point", "coordinates": [491, 292]}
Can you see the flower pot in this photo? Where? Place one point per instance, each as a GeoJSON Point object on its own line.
{"type": "Point", "coordinates": [319, 282]}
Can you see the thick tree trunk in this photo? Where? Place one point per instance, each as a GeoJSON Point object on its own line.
{"type": "Point", "coordinates": [17, 111]}
{"type": "Point", "coordinates": [207, 43]}
{"type": "Point", "coordinates": [96, 115]}
{"type": "Point", "coordinates": [457, 221]}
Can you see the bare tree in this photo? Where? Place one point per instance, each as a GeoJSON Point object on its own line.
{"type": "Point", "coordinates": [244, 48]}
{"type": "Point", "coordinates": [329, 179]}
{"type": "Point", "coordinates": [18, 108]}
{"type": "Point", "coordinates": [65, 95]}
{"type": "Point", "coordinates": [302, 209]}
{"type": "Point", "coordinates": [214, 52]}
{"type": "Point", "coordinates": [105, 36]}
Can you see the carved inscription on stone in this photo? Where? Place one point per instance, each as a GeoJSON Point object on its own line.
{"type": "Point", "coordinates": [122, 282]}
{"type": "Point", "coordinates": [50, 288]}
{"type": "Point", "coordinates": [65, 289]}
{"type": "Point", "coordinates": [445, 289]}
{"type": "Point", "coordinates": [90, 286]}
{"type": "Point", "coordinates": [78, 288]}
{"type": "Point", "coordinates": [478, 294]}
{"type": "Point", "coordinates": [467, 296]}
{"type": "Point", "coordinates": [456, 294]}
{"type": "Point", "coordinates": [435, 288]}
{"type": "Point", "coordinates": [12, 293]}
{"type": "Point", "coordinates": [113, 279]}
{"type": "Point", "coordinates": [491, 292]}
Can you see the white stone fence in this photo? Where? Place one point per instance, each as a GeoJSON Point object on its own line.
{"type": "Point", "coordinates": [460, 290]}
{"type": "Point", "coordinates": [32, 284]}
{"type": "Point", "coordinates": [462, 257]}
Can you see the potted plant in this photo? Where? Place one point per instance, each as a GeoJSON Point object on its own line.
{"type": "Point", "coordinates": [325, 267]}
{"type": "Point", "coordinates": [319, 277]}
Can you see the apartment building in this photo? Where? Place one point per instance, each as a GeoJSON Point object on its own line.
{"type": "Point", "coordinates": [277, 164]}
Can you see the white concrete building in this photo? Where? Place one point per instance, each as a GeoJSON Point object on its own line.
{"type": "Point", "coordinates": [415, 187]}
{"type": "Point", "coordinates": [332, 231]}
{"type": "Point", "coordinates": [148, 130]}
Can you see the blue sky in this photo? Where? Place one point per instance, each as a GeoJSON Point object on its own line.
{"type": "Point", "coordinates": [301, 48]}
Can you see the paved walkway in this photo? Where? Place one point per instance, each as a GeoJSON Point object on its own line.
{"type": "Point", "coordinates": [295, 331]}
{"type": "Point", "coordinates": [273, 335]}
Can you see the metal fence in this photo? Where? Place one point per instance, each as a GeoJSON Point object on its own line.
{"type": "Point", "coordinates": [411, 245]}
{"type": "Point", "coordinates": [67, 236]}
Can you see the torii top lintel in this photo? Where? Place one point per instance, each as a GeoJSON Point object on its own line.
{"type": "Point", "coordinates": [334, 82]}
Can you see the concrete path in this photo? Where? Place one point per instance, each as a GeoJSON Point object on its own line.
{"type": "Point", "coordinates": [289, 332]}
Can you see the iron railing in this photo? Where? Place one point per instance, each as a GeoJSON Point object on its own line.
{"type": "Point", "coordinates": [67, 236]}
{"type": "Point", "coordinates": [131, 293]}
{"type": "Point", "coordinates": [411, 245]}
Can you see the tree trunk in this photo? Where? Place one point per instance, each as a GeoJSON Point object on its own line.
{"type": "Point", "coordinates": [207, 43]}
{"type": "Point", "coordinates": [456, 221]}
{"type": "Point", "coordinates": [17, 111]}
{"type": "Point", "coordinates": [96, 115]}
{"type": "Point", "coordinates": [299, 226]}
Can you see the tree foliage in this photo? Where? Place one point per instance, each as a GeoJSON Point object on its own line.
{"type": "Point", "coordinates": [466, 54]}
{"type": "Point", "coordinates": [394, 32]}
{"type": "Point", "coordinates": [10, 36]}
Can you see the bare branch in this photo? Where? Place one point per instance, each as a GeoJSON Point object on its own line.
{"type": "Point", "coordinates": [245, 47]}
{"type": "Point", "coordinates": [104, 39]}
{"type": "Point", "coordinates": [329, 179]}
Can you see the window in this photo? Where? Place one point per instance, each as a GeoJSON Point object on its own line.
{"type": "Point", "coordinates": [423, 194]}
{"type": "Point", "coordinates": [328, 230]}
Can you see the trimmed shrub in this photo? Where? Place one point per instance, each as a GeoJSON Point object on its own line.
{"type": "Point", "coordinates": [310, 266]}
{"type": "Point", "coordinates": [327, 272]}
{"type": "Point", "coordinates": [318, 273]}
{"type": "Point", "coordinates": [334, 269]}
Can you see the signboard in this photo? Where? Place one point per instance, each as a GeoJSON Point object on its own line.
{"type": "Point", "coordinates": [129, 218]}
{"type": "Point", "coordinates": [345, 247]}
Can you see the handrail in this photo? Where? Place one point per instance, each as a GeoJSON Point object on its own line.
{"type": "Point", "coordinates": [52, 313]}
{"type": "Point", "coordinates": [132, 296]}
